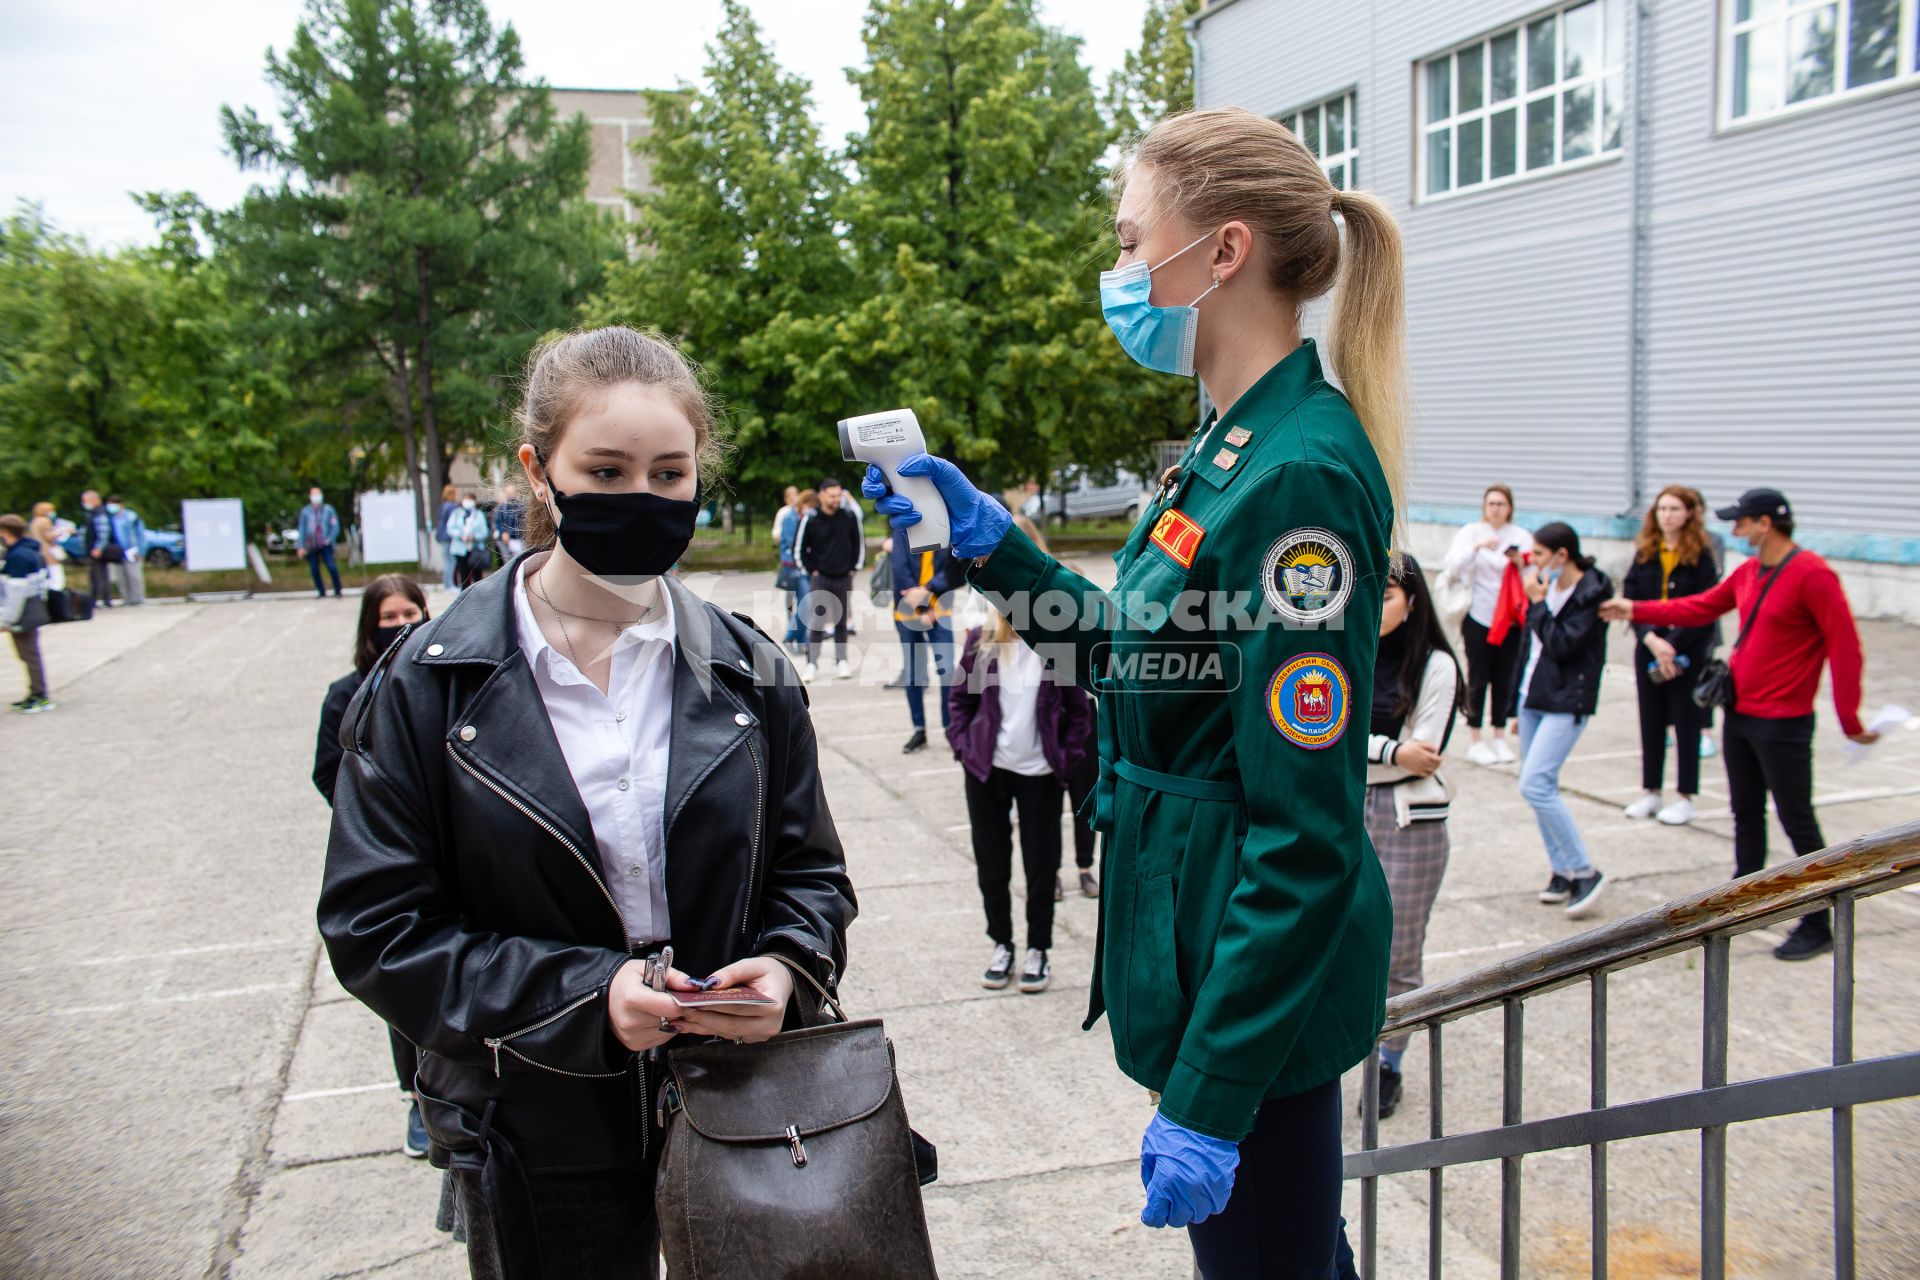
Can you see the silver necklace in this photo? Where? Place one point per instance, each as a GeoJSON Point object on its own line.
{"type": "Point", "coordinates": [561, 615]}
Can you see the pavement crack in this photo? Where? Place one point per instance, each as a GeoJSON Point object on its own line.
{"type": "Point", "coordinates": [378, 1267]}
{"type": "Point", "coordinates": [343, 1158]}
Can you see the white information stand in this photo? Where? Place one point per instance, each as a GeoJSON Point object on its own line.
{"type": "Point", "coordinates": [389, 531]}
{"type": "Point", "coordinates": [216, 534]}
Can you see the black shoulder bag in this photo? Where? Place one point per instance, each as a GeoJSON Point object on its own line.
{"type": "Point", "coordinates": [792, 1157]}
{"type": "Point", "coordinates": [1715, 686]}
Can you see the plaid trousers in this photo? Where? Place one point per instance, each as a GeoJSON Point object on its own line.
{"type": "Point", "coordinates": [1415, 860]}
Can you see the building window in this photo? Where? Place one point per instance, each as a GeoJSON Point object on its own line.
{"type": "Point", "coordinates": [1331, 131]}
{"type": "Point", "coordinates": [1542, 95]}
{"type": "Point", "coordinates": [1783, 55]}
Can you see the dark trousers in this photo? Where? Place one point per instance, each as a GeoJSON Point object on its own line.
{"type": "Point", "coordinates": [1080, 783]}
{"type": "Point", "coordinates": [826, 608]}
{"type": "Point", "coordinates": [100, 580]}
{"type": "Point", "coordinates": [27, 645]}
{"type": "Point", "coordinates": [929, 652]}
{"type": "Point", "coordinates": [989, 809]}
{"type": "Point", "coordinates": [1490, 669]}
{"type": "Point", "coordinates": [1664, 706]}
{"type": "Point", "coordinates": [590, 1226]}
{"type": "Point", "coordinates": [314, 556]}
{"type": "Point", "coordinates": [1283, 1220]}
{"type": "Point", "coordinates": [1771, 756]}
{"type": "Point", "coordinates": [406, 1059]}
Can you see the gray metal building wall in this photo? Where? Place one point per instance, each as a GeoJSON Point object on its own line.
{"type": "Point", "coordinates": [1782, 270]}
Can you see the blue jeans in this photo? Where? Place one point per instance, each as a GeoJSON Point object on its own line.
{"type": "Point", "coordinates": [922, 643]}
{"type": "Point", "coordinates": [446, 565]}
{"type": "Point", "coordinates": [1547, 738]}
{"type": "Point", "coordinates": [314, 556]}
{"type": "Point", "coordinates": [797, 621]}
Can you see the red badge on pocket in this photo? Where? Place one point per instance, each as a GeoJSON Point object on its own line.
{"type": "Point", "coordinates": [1178, 536]}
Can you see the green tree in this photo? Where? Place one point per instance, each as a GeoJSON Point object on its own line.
{"type": "Point", "coordinates": [979, 223]}
{"type": "Point", "coordinates": [425, 224]}
{"type": "Point", "coordinates": [737, 243]}
{"type": "Point", "coordinates": [1156, 80]}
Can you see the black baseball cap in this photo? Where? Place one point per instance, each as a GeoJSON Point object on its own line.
{"type": "Point", "coordinates": [1757, 502]}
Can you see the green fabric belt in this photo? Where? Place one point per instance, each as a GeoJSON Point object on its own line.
{"type": "Point", "coordinates": [1191, 788]}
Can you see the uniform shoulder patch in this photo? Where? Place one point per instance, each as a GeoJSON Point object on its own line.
{"type": "Point", "coordinates": [1179, 536]}
{"type": "Point", "coordinates": [1309, 701]}
{"type": "Point", "coordinates": [1307, 576]}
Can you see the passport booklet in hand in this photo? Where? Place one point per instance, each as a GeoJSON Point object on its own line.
{"type": "Point", "coordinates": [724, 996]}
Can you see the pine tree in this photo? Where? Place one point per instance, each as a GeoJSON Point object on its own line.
{"type": "Point", "coordinates": [426, 223]}
{"type": "Point", "coordinates": [737, 247]}
{"type": "Point", "coordinates": [1156, 80]}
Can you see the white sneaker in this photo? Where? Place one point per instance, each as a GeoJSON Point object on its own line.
{"type": "Point", "coordinates": [1677, 814]}
{"type": "Point", "coordinates": [1504, 750]}
{"type": "Point", "coordinates": [808, 671]}
{"type": "Point", "coordinates": [842, 671]}
{"type": "Point", "coordinates": [1483, 753]}
{"type": "Point", "coordinates": [1645, 807]}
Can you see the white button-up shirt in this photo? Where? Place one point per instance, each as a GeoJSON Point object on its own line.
{"type": "Point", "coordinates": [615, 745]}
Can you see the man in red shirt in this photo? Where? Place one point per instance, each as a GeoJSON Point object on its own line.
{"type": "Point", "coordinates": [1768, 742]}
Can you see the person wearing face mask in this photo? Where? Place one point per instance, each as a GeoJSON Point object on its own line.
{"type": "Point", "coordinates": [1794, 619]}
{"type": "Point", "coordinates": [468, 542]}
{"type": "Point", "coordinates": [102, 551]}
{"type": "Point", "coordinates": [319, 530]}
{"type": "Point", "coordinates": [130, 535]}
{"type": "Point", "coordinates": [390, 604]}
{"type": "Point", "coordinates": [1416, 691]}
{"type": "Point", "coordinates": [574, 767]}
{"type": "Point", "coordinates": [1481, 557]}
{"type": "Point", "coordinates": [1671, 559]}
{"type": "Point", "coordinates": [1563, 651]}
{"type": "Point", "coordinates": [1244, 916]}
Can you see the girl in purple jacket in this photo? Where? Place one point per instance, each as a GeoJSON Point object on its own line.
{"type": "Point", "coordinates": [1018, 729]}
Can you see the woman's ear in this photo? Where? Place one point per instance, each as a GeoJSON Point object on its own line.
{"type": "Point", "coordinates": [1233, 252]}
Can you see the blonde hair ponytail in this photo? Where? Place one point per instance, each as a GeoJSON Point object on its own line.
{"type": "Point", "coordinates": [1230, 165]}
{"type": "Point", "coordinates": [1369, 334]}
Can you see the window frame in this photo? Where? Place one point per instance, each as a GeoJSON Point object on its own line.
{"type": "Point", "coordinates": [1726, 28]}
{"type": "Point", "coordinates": [1597, 78]}
{"type": "Point", "coordinates": [1349, 156]}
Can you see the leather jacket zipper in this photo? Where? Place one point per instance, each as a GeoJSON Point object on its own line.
{"type": "Point", "coordinates": [497, 1043]}
{"type": "Point", "coordinates": [753, 843]}
{"type": "Point", "coordinates": [551, 830]}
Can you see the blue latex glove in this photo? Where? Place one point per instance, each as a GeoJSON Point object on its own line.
{"type": "Point", "coordinates": [977, 522]}
{"type": "Point", "coordinates": [1188, 1176]}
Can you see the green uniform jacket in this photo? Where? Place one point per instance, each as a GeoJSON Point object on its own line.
{"type": "Point", "coordinates": [1245, 921]}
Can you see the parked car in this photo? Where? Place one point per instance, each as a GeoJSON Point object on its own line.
{"type": "Point", "coordinates": [161, 548]}
{"type": "Point", "coordinates": [1080, 494]}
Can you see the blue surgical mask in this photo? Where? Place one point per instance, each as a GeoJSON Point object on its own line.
{"type": "Point", "coordinates": [113, 508]}
{"type": "Point", "coordinates": [1160, 338]}
{"type": "Point", "coordinates": [1551, 576]}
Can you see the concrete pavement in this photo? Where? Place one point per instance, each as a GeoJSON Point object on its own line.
{"type": "Point", "coordinates": [190, 1093]}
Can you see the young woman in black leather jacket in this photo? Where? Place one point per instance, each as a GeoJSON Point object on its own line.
{"type": "Point", "coordinates": [575, 766]}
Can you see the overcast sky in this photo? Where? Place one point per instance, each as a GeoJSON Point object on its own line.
{"type": "Point", "coordinates": [102, 97]}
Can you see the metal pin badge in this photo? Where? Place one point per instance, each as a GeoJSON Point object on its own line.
{"type": "Point", "coordinates": [1225, 459]}
{"type": "Point", "coordinates": [1239, 436]}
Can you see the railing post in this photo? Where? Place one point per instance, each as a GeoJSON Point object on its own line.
{"type": "Point", "coordinates": [1713, 1138]}
{"type": "Point", "coordinates": [1510, 1113]}
{"type": "Point", "coordinates": [1597, 1074]}
{"type": "Point", "coordinates": [1435, 1175]}
{"type": "Point", "coordinates": [1370, 1186]}
{"type": "Point", "coordinates": [1843, 1259]}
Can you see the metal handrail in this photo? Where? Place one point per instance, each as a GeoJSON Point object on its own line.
{"type": "Point", "coordinates": [1839, 876]}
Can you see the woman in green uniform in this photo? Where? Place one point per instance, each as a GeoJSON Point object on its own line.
{"type": "Point", "coordinates": [1244, 931]}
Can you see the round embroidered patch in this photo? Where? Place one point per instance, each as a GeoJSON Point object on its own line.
{"type": "Point", "coordinates": [1308, 701]}
{"type": "Point", "coordinates": [1307, 576]}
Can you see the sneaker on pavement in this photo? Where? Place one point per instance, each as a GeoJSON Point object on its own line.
{"type": "Point", "coordinates": [1677, 814]}
{"type": "Point", "coordinates": [999, 969]}
{"type": "Point", "coordinates": [842, 670]}
{"type": "Point", "coordinates": [1804, 944]}
{"type": "Point", "coordinates": [36, 705]}
{"type": "Point", "coordinates": [808, 671]}
{"type": "Point", "coordinates": [1504, 752]}
{"type": "Point", "coordinates": [1586, 890]}
{"type": "Point", "coordinates": [1645, 807]}
{"type": "Point", "coordinates": [1558, 889]}
{"type": "Point", "coordinates": [917, 741]}
{"type": "Point", "coordinates": [20, 705]}
{"type": "Point", "coordinates": [1483, 753]}
{"type": "Point", "coordinates": [1036, 973]}
{"type": "Point", "coordinates": [1708, 747]}
{"type": "Point", "coordinates": [1089, 887]}
{"type": "Point", "coordinates": [416, 1142]}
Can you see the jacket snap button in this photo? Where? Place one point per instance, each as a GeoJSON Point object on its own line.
{"type": "Point", "coordinates": [435, 650]}
{"type": "Point", "coordinates": [743, 719]}
{"type": "Point", "coordinates": [468, 733]}
{"type": "Point", "coordinates": [746, 666]}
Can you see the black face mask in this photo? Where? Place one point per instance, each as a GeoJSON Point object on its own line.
{"type": "Point", "coordinates": [623, 535]}
{"type": "Point", "coordinates": [383, 637]}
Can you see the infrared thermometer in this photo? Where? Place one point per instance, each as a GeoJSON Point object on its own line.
{"type": "Point", "coordinates": [886, 440]}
